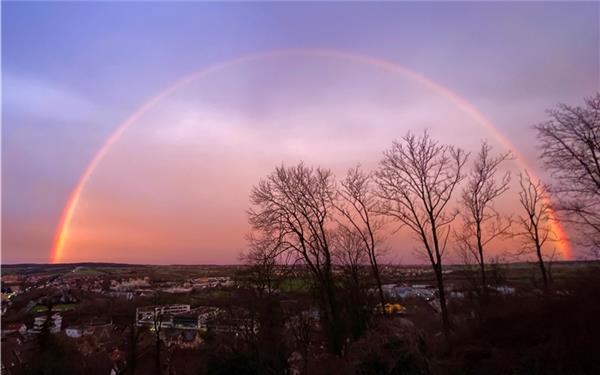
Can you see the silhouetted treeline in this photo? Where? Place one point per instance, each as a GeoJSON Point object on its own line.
{"type": "Point", "coordinates": [301, 214]}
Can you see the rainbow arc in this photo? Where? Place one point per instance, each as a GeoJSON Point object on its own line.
{"type": "Point", "coordinates": [63, 229]}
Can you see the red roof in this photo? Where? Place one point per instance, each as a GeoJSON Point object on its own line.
{"type": "Point", "coordinates": [13, 326]}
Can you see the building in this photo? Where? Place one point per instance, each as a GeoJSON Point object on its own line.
{"type": "Point", "coordinates": [403, 291]}
{"type": "Point", "coordinates": [176, 316]}
{"type": "Point", "coordinates": [503, 289]}
{"type": "Point", "coordinates": [74, 332]}
{"type": "Point", "coordinates": [212, 282]}
{"type": "Point", "coordinates": [129, 285]}
{"type": "Point", "coordinates": [196, 319]}
{"type": "Point", "coordinates": [163, 315]}
{"type": "Point", "coordinates": [38, 323]}
{"type": "Point", "coordinates": [56, 324]}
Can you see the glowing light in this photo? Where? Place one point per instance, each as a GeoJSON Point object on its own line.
{"type": "Point", "coordinates": [62, 231]}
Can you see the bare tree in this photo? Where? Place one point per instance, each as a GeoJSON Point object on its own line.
{"type": "Point", "coordinates": [267, 267]}
{"type": "Point", "coordinates": [300, 326]}
{"type": "Point", "coordinates": [481, 222]}
{"type": "Point", "coordinates": [535, 221]}
{"type": "Point", "coordinates": [357, 205]}
{"type": "Point", "coordinates": [294, 205]}
{"type": "Point", "coordinates": [262, 258]}
{"type": "Point", "coordinates": [351, 255]}
{"type": "Point", "coordinates": [570, 149]}
{"type": "Point", "coordinates": [134, 347]}
{"type": "Point", "coordinates": [417, 179]}
{"type": "Point", "coordinates": [157, 328]}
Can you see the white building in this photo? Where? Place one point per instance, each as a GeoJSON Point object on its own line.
{"type": "Point", "coordinates": [38, 323]}
{"type": "Point", "coordinates": [56, 325]}
{"type": "Point", "coordinates": [176, 316]}
{"type": "Point", "coordinates": [151, 315]}
{"type": "Point", "coordinates": [74, 332]}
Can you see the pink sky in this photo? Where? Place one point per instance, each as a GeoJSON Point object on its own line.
{"type": "Point", "coordinates": [175, 185]}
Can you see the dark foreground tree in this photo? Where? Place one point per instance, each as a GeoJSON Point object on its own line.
{"type": "Point", "coordinates": [357, 205]}
{"type": "Point", "coordinates": [259, 297]}
{"type": "Point", "coordinates": [55, 355]}
{"type": "Point", "coordinates": [417, 178]}
{"type": "Point", "coordinates": [293, 205]}
{"type": "Point", "coordinates": [351, 256]}
{"type": "Point", "coordinates": [157, 323]}
{"type": "Point", "coordinates": [481, 222]}
{"type": "Point", "coordinates": [263, 266]}
{"type": "Point", "coordinates": [534, 222]}
{"type": "Point", "coordinates": [570, 149]}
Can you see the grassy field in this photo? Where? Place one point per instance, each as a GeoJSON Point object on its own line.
{"type": "Point", "coordinates": [56, 308]}
{"type": "Point", "coordinates": [39, 309]}
{"type": "Point", "coordinates": [295, 285]}
{"type": "Point", "coordinates": [64, 307]}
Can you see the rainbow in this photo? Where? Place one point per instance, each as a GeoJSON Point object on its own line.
{"type": "Point", "coordinates": [62, 231]}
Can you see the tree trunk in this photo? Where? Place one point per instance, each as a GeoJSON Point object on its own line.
{"type": "Point", "coordinates": [379, 286]}
{"type": "Point", "coordinates": [484, 289]}
{"type": "Point", "coordinates": [332, 319]}
{"type": "Point", "coordinates": [133, 353]}
{"type": "Point", "coordinates": [542, 267]}
{"type": "Point", "coordinates": [442, 295]}
{"type": "Point", "coordinates": [158, 369]}
{"type": "Point", "coordinates": [483, 278]}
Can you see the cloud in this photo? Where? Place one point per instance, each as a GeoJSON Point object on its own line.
{"type": "Point", "coordinates": [28, 96]}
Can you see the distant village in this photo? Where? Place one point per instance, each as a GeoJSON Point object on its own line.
{"type": "Point", "coordinates": [59, 297]}
{"type": "Point", "coordinates": [104, 315]}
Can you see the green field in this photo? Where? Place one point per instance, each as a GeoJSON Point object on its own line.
{"type": "Point", "coordinates": [295, 285]}
{"type": "Point", "coordinates": [64, 307]}
{"type": "Point", "coordinates": [39, 309]}
{"type": "Point", "coordinates": [56, 308]}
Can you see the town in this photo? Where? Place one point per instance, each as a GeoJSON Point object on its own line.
{"type": "Point", "coordinates": [109, 318]}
